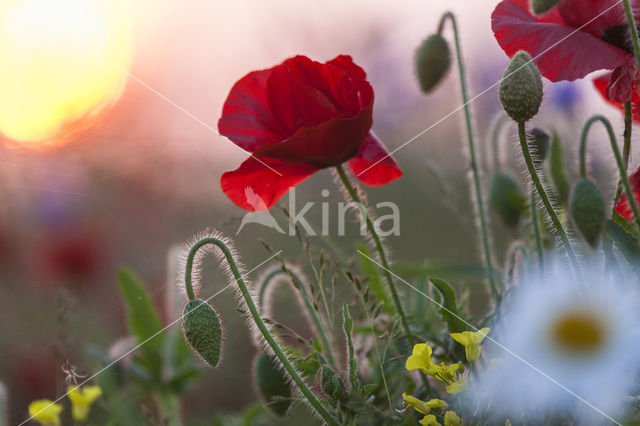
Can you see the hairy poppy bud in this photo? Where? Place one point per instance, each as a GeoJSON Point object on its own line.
{"type": "Point", "coordinates": [521, 88]}
{"type": "Point", "coordinates": [538, 145]}
{"type": "Point", "coordinates": [506, 199]}
{"type": "Point", "coordinates": [331, 383]}
{"type": "Point", "coordinates": [538, 7]}
{"type": "Point", "coordinates": [203, 330]}
{"type": "Point", "coordinates": [432, 62]}
{"type": "Point", "coordinates": [272, 384]}
{"type": "Point", "coordinates": [588, 210]}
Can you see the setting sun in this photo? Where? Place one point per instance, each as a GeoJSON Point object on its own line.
{"type": "Point", "coordinates": [61, 66]}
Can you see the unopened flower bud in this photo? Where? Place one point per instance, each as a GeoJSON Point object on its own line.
{"type": "Point", "coordinates": [521, 88]}
{"type": "Point", "coordinates": [539, 142]}
{"type": "Point", "coordinates": [506, 199]}
{"type": "Point", "coordinates": [203, 330]}
{"type": "Point", "coordinates": [432, 62]}
{"type": "Point", "coordinates": [272, 384]}
{"type": "Point", "coordinates": [538, 7]}
{"type": "Point", "coordinates": [588, 210]}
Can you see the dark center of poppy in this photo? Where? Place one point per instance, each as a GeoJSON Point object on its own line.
{"type": "Point", "coordinates": [619, 37]}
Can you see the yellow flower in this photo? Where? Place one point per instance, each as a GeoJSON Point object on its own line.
{"type": "Point", "coordinates": [420, 359]}
{"type": "Point", "coordinates": [45, 412]}
{"type": "Point", "coordinates": [422, 406]}
{"type": "Point", "coordinates": [458, 385]}
{"type": "Point", "coordinates": [429, 420]}
{"type": "Point", "coordinates": [81, 400]}
{"type": "Point", "coordinates": [452, 419]}
{"type": "Point", "coordinates": [471, 341]}
{"type": "Point", "coordinates": [447, 373]}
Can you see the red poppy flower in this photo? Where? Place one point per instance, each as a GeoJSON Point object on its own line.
{"type": "Point", "coordinates": [601, 84]}
{"type": "Point", "coordinates": [622, 206]}
{"type": "Point", "coordinates": [572, 40]}
{"type": "Point", "coordinates": [295, 119]}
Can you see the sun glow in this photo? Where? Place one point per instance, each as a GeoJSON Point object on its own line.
{"type": "Point", "coordinates": [61, 66]}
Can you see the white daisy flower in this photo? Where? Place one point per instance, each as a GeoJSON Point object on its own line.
{"type": "Point", "coordinates": [566, 348]}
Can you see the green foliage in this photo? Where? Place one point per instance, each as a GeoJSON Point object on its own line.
{"type": "Point", "coordinates": [351, 358]}
{"type": "Point", "coordinates": [272, 384]}
{"type": "Point", "coordinates": [587, 208]}
{"type": "Point", "coordinates": [506, 199]}
{"type": "Point", "coordinates": [375, 284]}
{"type": "Point", "coordinates": [557, 169]}
{"type": "Point", "coordinates": [449, 310]}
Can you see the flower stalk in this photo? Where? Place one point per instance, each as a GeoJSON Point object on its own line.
{"type": "Point", "coordinates": [522, 134]}
{"type": "Point", "coordinates": [619, 160]}
{"type": "Point", "coordinates": [257, 318]}
{"type": "Point", "coordinates": [486, 245]}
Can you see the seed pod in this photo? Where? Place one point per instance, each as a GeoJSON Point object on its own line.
{"type": "Point", "coordinates": [588, 210]}
{"type": "Point", "coordinates": [538, 145]}
{"type": "Point", "coordinates": [506, 199]}
{"type": "Point", "coordinates": [538, 7]}
{"type": "Point", "coordinates": [331, 383]}
{"type": "Point", "coordinates": [203, 330]}
{"type": "Point", "coordinates": [272, 384]}
{"type": "Point", "coordinates": [521, 88]}
{"type": "Point", "coordinates": [432, 62]}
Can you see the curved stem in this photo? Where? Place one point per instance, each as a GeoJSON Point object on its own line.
{"type": "Point", "coordinates": [313, 313]}
{"type": "Point", "coordinates": [619, 160]}
{"type": "Point", "coordinates": [522, 134]}
{"type": "Point", "coordinates": [381, 253]}
{"type": "Point", "coordinates": [472, 153]}
{"type": "Point", "coordinates": [255, 314]}
{"type": "Point", "coordinates": [536, 227]}
{"type": "Point", "coordinates": [633, 30]}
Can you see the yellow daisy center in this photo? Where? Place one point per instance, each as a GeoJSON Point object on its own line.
{"type": "Point", "coordinates": [579, 332]}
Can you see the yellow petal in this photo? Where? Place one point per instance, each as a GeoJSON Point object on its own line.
{"type": "Point", "coordinates": [45, 412]}
{"type": "Point", "coordinates": [451, 419]}
{"type": "Point", "coordinates": [429, 420]}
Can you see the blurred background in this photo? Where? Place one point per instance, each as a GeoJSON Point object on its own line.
{"type": "Point", "coordinates": [139, 172]}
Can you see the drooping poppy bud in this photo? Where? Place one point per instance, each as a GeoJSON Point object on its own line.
{"type": "Point", "coordinates": [538, 145]}
{"type": "Point", "coordinates": [203, 330]}
{"type": "Point", "coordinates": [331, 383]}
{"type": "Point", "coordinates": [272, 384]}
{"type": "Point", "coordinates": [432, 62]}
{"type": "Point", "coordinates": [588, 210]}
{"type": "Point", "coordinates": [506, 199]}
{"type": "Point", "coordinates": [538, 7]}
{"type": "Point", "coordinates": [521, 88]}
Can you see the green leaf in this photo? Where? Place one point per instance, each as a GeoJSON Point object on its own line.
{"type": "Point", "coordinates": [449, 310]}
{"type": "Point", "coordinates": [144, 323]}
{"type": "Point", "coordinates": [370, 269]}
{"type": "Point", "coordinates": [353, 363]}
{"type": "Point", "coordinates": [626, 243]}
{"type": "Point", "coordinates": [558, 170]}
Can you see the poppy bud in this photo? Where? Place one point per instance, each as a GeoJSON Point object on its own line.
{"type": "Point", "coordinates": [506, 199]}
{"type": "Point", "coordinates": [432, 62]}
{"type": "Point", "coordinates": [521, 88]}
{"type": "Point", "coordinates": [331, 383]}
{"type": "Point", "coordinates": [203, 330]}
{"type": "Point", "coordinates": [538, 145]}
{"type": "Point", "coordinates": [538, 7]}
{"type": "Point", "coordinates": [588, 210]}
{"type": "Point", "coordinates": [272, 384]}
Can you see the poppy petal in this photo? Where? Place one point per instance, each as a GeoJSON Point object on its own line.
{"type": "Point", "coordinates": [560, 51]}
{"type": "Point", "coordinates": [602, 82]}
{"type": "Point", "coordinates": [373, 165]}
{"type": "Point", "coordinates": [622, 206]}
{"type": "Point", "coordinates": [253, 186]}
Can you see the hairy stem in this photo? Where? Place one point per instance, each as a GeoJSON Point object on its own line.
{"type": "Point", "coordinates": [619, 160]}
{"type": "Point", "coordinates": [255, 314]}
{"type": "Point", "coordinates": [486, 247]}
{"type": "Point", "coordinates": [522, 134]}
{"type": "Point", "coordinates": [536, 227]}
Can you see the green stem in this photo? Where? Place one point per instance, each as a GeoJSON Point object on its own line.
{"type": "Point", "coordinates": [536, 227]}
{"type": "Point", "coordinates": [319, 326]}
{"type": "Point", "coordinates": [381, 253]}
{"type": "Point", "coordinates": [255, 314]}
{"type": "Point", "coordinates": [545, 199]}
{"type": "Point", "coordinates": [472, 153]}
{"type": "Point", "coordinates": [633, 30]}
{"type": "Point", "coordinates": [169, 406]}
{"type": "Point", "coordinates": [495, 141]}
{"type": "Point", "coordinates": [628, 124]}
{"type": "Point", "coordinates": [619, 160]}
